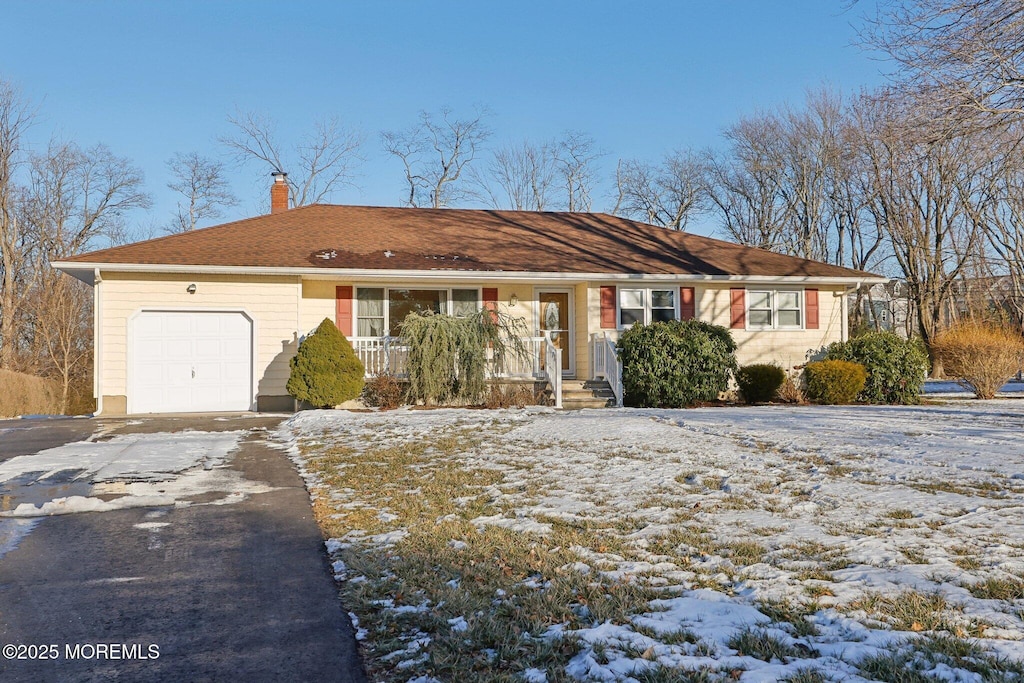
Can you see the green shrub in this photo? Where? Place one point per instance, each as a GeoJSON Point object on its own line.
{"type": "Point", "coordinates": [325, 370]}
{"type": "Point", "coordinates": [383, 391]}
{"type": "Point", "coordinates": [834, 381]}
{"type": "Point", "coordinates": [760, 382]}
{"type": "Point", "coordinates": [675, 364]}
{"type": "Point", "coordinates": [896, 366]}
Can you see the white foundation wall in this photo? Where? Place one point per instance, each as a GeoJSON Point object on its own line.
{"type": "Point", "coordinates": [272, 303]}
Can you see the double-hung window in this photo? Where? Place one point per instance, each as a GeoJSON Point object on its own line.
{"type": "Point", "coordinates": [774, 309]}
{"type": "Point", "coordinates": [381, 311]}
{"type": "Point", "coordinates": [645, 306]}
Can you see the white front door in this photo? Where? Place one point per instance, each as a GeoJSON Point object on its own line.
{"type": "Point", "coordinates": [190, 361]}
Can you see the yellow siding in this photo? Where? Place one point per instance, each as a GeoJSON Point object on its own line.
{"type": "Point", "coordinates": [786, 347]}
{"type": "Point", "coordinates": [271, 301]}
{"type": "Point", "coordinates": [317, 303]}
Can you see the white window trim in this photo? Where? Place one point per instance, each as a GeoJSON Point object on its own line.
{"type": "Point", "coordinates": [773, 292]}
{"type": "Point", "coordinates": [648, 316]}
{"type": "Point", "coordinates": [387, 294]}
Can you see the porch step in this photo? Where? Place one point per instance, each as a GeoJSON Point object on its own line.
{"type": "Point", "coordinates": [579, 394]}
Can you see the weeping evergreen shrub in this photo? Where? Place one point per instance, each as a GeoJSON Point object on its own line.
{"type": "Point", "coordinates": [448, 355]}
{"type": "Point", "coordinates": [325, 370]}
{"type": "Point", "coordinates": [676, 363]}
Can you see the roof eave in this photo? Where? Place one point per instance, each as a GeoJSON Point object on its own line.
{"type": "Point", "coordinates": [85, 272]}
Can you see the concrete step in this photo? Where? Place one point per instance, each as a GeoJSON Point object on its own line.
{"type": "Point", "coordinates": [578, 394]}
{"type": "Point", "coordinates": [581, 403]}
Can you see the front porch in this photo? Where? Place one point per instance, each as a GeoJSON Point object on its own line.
{"type": "Point", "coordinates": [541, 355]}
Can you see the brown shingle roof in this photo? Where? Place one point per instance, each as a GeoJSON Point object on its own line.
{"type": "Point", "coordinates": [362, 237]}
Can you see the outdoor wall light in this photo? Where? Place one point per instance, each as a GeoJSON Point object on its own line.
{"type": "Point", "coordinates": [513, 300]}
{"type": "Point", "coordinates": [191, 289]}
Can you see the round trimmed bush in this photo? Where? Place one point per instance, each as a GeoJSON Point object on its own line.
{"type": "Point", "coordinates": [760, 382]}
{"type": "Point", "coordinates": [325, 370]}
{"type": "Point", "coordinates": [675, 364]}
{"type": "Point", "coordinates": [834, 382]}
{"type": "Point", "coordinates": [896, 366]}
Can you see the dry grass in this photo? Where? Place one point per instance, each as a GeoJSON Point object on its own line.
{"type": "Point", "coordinates": [22, 394]}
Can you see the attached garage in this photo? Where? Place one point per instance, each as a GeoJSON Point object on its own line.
{"type": "Point", "coordinates": [190, 361]}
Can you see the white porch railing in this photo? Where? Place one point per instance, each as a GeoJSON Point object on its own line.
{"type": "Point", "coordinates": [553, 368]}
{"type": "Point", "coordinates": [605, 363]}
{"type": "Point", "coordinates": [389, 354]}
{"type": "Point", "coordinates": [381, 355]}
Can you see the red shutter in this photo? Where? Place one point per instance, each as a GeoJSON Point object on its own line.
{"type": "Point", "coordinates": [738, 308]}
{"type": "Point", "coordinates": [687, 304]}
{"type": "Point", "coordinates": [343, 309]}
{"type": "Point", "coordinates": [811, 308]}
{"type": "Point", "coordinates": [608, 308]}
{"type": "Point", "coordinates": [491, 300]}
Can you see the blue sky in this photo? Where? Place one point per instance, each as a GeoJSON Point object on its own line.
{"type": "Point", "coordinates": [153, 78]}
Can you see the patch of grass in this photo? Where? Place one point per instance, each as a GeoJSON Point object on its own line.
{"type": "Point", "coordinates": [678, 637]}
{"type": "Point", "coordinates": [997, 589]}
{"type": "Point", "coordinates": [900, 513]}
{"type": "Point", "coordinates": [914, 556]}
{"type": "Point", "coordinates": [805, 676]}
{"type": "Point", "coordinates": [914, 661]}
{"type": "Point", "coordinates": [744, 552]}
{"type": "Point", "coordinates": [912, 611]}
{"type": "Point", "coordinates": [790, 614]}
{"type": "Point", "coordinates": [664, 674]}
{"type": "Point", "coordinates": [757, 643]}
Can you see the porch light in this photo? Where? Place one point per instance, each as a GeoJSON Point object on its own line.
{"type": "Point", "coordinates": [191, 289]}
{"type": "Point", "coordinates": [513, 301]}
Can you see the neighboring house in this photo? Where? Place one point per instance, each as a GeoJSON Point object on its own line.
{"type": "Point", "coordinates": [207, 320]}
{"type": "Point", "coordinates": [886, 307]}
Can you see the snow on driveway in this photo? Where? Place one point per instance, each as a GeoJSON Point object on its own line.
{"type": "Point", "coordinates": [127, 470]}
{"type": "Point", "coordinates": [848, 504]}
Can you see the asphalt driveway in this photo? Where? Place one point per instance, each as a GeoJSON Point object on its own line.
{"type": "Point", "coordinates": [216, 589]}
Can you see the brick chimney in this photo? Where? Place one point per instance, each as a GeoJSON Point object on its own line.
{"type": "Point", "coordinates": [279, 192]}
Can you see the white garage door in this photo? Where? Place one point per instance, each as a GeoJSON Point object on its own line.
{"type": "Point", "coordinates": [190, 362]}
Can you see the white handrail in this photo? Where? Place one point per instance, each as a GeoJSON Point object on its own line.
{"type": "Point", "coordinates": [553, 367]}
{"type": "Point", "coordinates": [607, 366]}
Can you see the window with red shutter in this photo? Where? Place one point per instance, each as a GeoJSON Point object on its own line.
{"type": "Point", "coordinates": [738, 308]}
{"type": "Point", "coordinates": [343, 309]}
{"type": "Point", "coordinates": [608, 296]}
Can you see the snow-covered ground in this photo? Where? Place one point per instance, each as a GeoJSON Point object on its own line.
{"type": "Point", "coordinates": [853, 513]}
{"type": "Point", "coordinates": [107, 473]}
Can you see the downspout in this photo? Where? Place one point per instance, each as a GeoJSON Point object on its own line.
{"type": "Point", "coordinates": [97, 344]}
{"type": "Point", "coordinates": [845, 315]}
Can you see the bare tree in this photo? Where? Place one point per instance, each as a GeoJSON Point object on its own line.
{"type": "Point", "coordinates": [519, 177]}
{"type": "Point", "coordinates": [75, 197]}
{"type": "Point", "coordinates": [743, 185]}
{"type": "Point", "coordinates": [204, 190]}
{"type": "Point", "coordinates": [16, 243]}
{"type": "Point", "coordinates": [965, 56]}
{"type": "Point", "coordinates": [318, 165]}
{"type": "Point", "coordinates": [666, 194]}
{"type": "Point", "coordinates": [435, 153]}
{"type": "Point", "coordinates": [924, 192]}
{"type": "Point", "coordinates": [576, 155]}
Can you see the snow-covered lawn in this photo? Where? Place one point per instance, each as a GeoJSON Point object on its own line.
{"type": "Point", "coordinates": [759, 544]}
